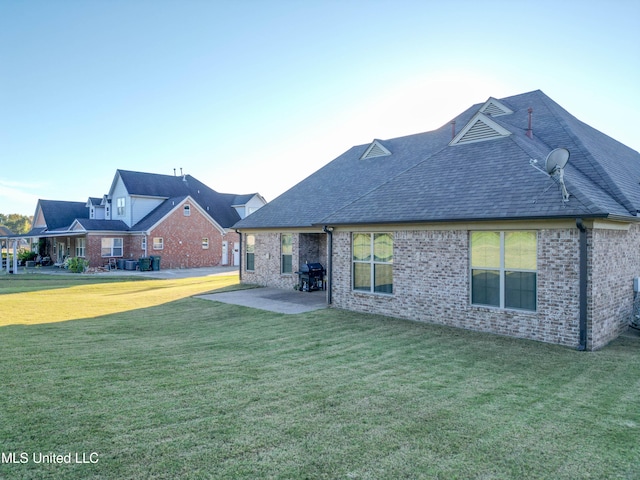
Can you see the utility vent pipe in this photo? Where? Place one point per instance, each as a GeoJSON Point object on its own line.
{"type": "Point", "coordinates": [530, 130]}
{"type": "Point", "coordinates": [453, 129]}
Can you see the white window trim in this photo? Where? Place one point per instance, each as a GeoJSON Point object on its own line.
{"type": "Point", "coordinates": [111, 253]}
{"type": "Point", "coordinates": [502, 269]}
{"type": "Point", "coordinates": [372, 263]}
{"type": "Point", "coordinates": [160, 243]}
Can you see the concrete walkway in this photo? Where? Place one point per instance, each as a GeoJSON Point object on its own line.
{"type": "Point", "coordinates": [272, 299]}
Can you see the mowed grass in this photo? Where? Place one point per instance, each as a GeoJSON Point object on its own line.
{"type": "Point", "coordinates": [190, 388]}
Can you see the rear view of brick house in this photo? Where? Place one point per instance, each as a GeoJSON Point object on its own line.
{"type": "Point", "coordinates": [177, 218]}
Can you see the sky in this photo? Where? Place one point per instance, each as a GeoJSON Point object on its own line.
{"type": "Point", "coordinates": [255, 95]}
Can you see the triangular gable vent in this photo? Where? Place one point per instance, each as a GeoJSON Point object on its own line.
{"type": "Point", "coordinates": [376, 149]}
{"type": "Point", "coordinates": [494, 108]}
{"type": "Point", "coordinates": [479, 129]}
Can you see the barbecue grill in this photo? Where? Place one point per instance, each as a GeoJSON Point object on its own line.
{"type": "Point", "coordinates": [311, 277]}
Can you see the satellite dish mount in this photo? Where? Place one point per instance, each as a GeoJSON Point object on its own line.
{"type": "Point", "coordinates": [554, 167]}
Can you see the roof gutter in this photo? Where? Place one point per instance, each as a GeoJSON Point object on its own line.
{"type": "Point", "coordinates": [582, 345]}
{"type": "Point", "coordinates": [240, 255]}
{"type": "Point", "coordinates": [329, 231]}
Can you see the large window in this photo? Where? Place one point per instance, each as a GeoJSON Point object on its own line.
{"type": "Point", "coordinates": [373, 262]}
{"type": "Point", "coordinates": [286, 253]}
{"type": "Point", "coordinates": [504, 269]}
{"type": "Point", "coordinates": [158, 243]}
{"type": "Point", "coordinates": [120, 206]}
{"type": "Point", "coordinates": [80, 247]}
{"type": "Point", "coordinates": [111, 247]}
{"type": "Point", "coordinates": [250, 249]}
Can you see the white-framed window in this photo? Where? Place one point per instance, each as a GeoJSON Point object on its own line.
{"type": "Point", "coordinates": [286, 253]}
{"type": "Point", "coordinates": [158, 243]}
{"type": "Point", "coordinates": [143, 243]}
{"type": "Point", "coordinates": [186, 210]}
{"type": "Point", "coordinates": [81, 244]}
{"type": "Point", "coordinates": [112, 247]}
{"type": "Point", "coordinates": [372, 255]}
{"type": "Point", "coordinates": [504, 269]}
{"type": "Point", "coordinates": [205, 243]}
{"type": "Point", "coordinates": [250, 250]}
{"type": "Point", "coordinates": [107, 212]}
{"type": "Point", "coordinates": [92, 212]}
{"type": "Point", "coordinates": [120, 206]}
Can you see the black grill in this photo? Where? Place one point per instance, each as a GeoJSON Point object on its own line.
{"type": "Point", "coordinates": [311, 277]}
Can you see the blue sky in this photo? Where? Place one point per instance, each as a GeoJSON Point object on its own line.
{"type": "Point", "coordinates": [253, 96]}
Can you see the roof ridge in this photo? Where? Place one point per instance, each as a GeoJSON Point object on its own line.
{"type": "Point", "coordinates": [610, 185]}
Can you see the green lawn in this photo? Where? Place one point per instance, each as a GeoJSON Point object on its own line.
{"type": "Point", "coordinates": [178, 387]}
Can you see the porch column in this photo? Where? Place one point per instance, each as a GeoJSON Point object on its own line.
{"type": "Point", "coordinates": [15, 256]}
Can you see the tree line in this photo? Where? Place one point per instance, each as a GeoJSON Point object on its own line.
{"type": "Point", "coordinates": [15, 222]}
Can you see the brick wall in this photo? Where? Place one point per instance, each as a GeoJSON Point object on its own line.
{"type": "Point", "coordinates": [182, 241]}
{"type": "Point", "coordinates": [614, 262]}
{"type": "Point", "coordinates": [431, 276]}
{"type": "Point", "coordinates": [267, 262]}
{"type": "Point", "coordinates": [431, 284]}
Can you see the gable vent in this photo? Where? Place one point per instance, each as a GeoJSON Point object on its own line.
{"type": "Point", "coordinates": [480, 128]}
{"type": "Point", "coordinates": [494, 108]}
{"type": "Point", "coordinates": [376, 149]}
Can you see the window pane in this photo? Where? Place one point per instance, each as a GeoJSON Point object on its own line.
{"type": "Point", "coordinates": [383, 247]}
{"type": "Point", "coordinates": [361, 247]}
{"type": "Point", "coordinates": [384, 278]}
{"type": "Point", "coordinates": [106, 247]}
{"type": "Point", "coordinates": [251, 243]}
{"type": "Point", "coordinates": [250, 261]}
{"type": "Point", "coordinates": [287, 244]}
{"type": "Point", "coordinates": [362, 276]}
{"type": "Point", "coordinates": [287, 263]}
{"type": "Point", "coordinates": [485, 287]}
{"type": "Point", "coordinates": [520, 250]}
{"type": "Point", "coordinates": [485, 249]}
{"type": "Point", "coordinates": [520, 290]}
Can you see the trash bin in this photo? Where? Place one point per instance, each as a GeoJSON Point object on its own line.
{"type": "Point", "coordinates": [155, 261]}
{"type": "Point", "coordinates": [145, 264]}
{"type": "Point", "coordinates": [120, 263]}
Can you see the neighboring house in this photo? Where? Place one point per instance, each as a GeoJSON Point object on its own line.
{"type": "Point", "coordinates": [177, 218]}
{"type": "Point", "coordinates": [460, 226]}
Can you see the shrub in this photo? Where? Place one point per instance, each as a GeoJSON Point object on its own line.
{"type": "Point", "coordinates": [76, 264]}
{"type": "Point", "coordinates": [25, 255]}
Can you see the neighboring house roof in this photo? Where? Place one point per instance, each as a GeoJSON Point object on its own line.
{"type": "Point", "coordinates": [60, 214]}
{"type": "Point", "coordinates": [482, 172]}
{"type": "Point", "coordinates": [4, 231]}
{"type": "Point", "coordinates": [63, 216]}
{"type": "Point", "coordinates": [217, 205]}
{"type": "Point", "coordinates": [89, 224]}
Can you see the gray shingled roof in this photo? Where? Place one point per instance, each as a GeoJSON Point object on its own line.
{"type": "Point", "coordinates": [217, 205]}
{"type": "Point", "coordinates": [425, 179]}
{"type": "Point", "coordinates": [103, 225]}
{"type": "Point", "coordinates": [59, 214]}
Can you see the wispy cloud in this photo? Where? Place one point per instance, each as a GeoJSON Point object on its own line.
{"type": "Point", "coordinates": [16, 196]}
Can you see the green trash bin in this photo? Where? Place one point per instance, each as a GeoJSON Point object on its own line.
{"type": "Point", "coordinates": [155, 262]}
{"type": "Point", "coordinates": [144, 263]}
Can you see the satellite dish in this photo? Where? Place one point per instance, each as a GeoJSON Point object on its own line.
{"type": "Point", "coordinates": [556, 160]}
